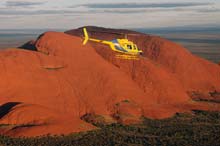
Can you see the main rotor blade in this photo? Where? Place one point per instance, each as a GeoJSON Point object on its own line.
{"type": "Point", "coordinates": [117, 33]}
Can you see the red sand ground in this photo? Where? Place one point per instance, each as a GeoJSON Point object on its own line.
{"type": "Point", "coordinates": [50, 88]}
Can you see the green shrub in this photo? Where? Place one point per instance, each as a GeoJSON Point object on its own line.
{"type": "Point", "coordinates": [198, 129]}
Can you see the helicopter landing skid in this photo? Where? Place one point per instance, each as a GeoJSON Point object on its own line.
{"type": "Point", "coordinates": [127, 57]}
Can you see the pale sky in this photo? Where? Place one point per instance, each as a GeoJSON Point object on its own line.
{"type": "Point", "coordinates": [68, 14]}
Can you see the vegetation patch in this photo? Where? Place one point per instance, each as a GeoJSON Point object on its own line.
{"type": "Point", "coordinates": [197, 129]}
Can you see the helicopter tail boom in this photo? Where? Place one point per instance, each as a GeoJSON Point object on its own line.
{"type": "Point", "coordinates": [87, 38]}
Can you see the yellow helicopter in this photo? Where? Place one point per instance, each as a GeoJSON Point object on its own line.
{"type": "Point", "coordinates": [127, 49]}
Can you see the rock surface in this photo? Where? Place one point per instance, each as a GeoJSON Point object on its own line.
{"type": "Point", "coordinates": [56, 85]}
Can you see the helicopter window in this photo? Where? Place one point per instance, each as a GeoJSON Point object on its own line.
{"type": "Point", "coordinates": [135, 48]}
{"type": "Point", "coordinates": [129, 47]}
